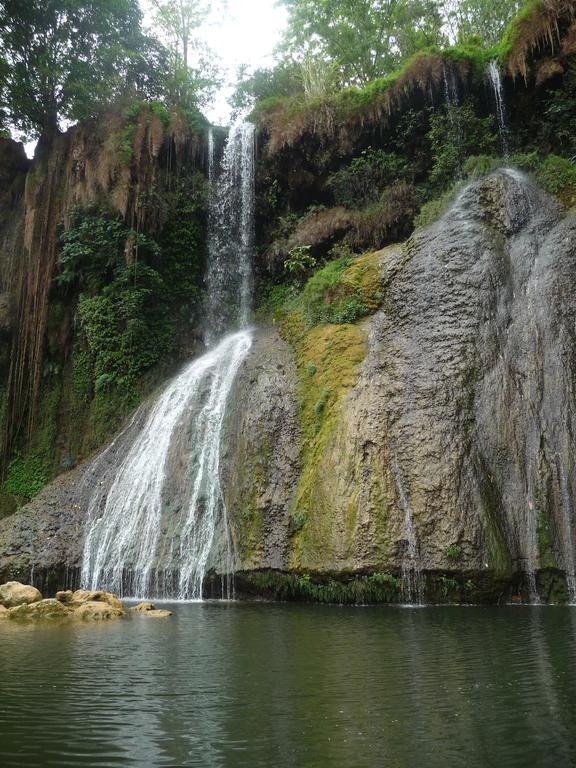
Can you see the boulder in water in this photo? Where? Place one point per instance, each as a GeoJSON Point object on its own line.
{"type": "Point", "coordinates": [92, 610]}
{"type": "Point", "coordinates": [143, 607]}
{"type": "Point", "coordinates": [149, 609]}
{"type": "Point", "coordinates": [50, 609]}
{"type": "Point", "coordinates": [13, 593]}
{"type": "Point", "coordinates": [21, 601]}
{"type": "Point", "coordinates": [81, 596]}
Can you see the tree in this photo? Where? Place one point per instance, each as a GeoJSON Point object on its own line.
{"type": "Point", "coordinates": [282, 80]}
{"type": "Point", "coordinates": [65, 57]}
{"type": "Point", "coordinates": [484, 19]}
{"type": "Point", "coordinates": [364, 39]}
{"type": "Point", "coordinates": [178, 19]}
{"type": "Point", "coordinates": [193, 70]}
{"type": "Point", "coordinates": [3, 78]}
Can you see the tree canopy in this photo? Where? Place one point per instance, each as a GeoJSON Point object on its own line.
{"type": "Point", "coordinates": [483, 19]}
{"type": "Point", "coordinates": [192, 69]}
{"type": "Point", "coordinates": [362, 38]}
{"type": "Point", "coordinates": [63, 60]}
{"type": "Point", "coordinates": [331, 44]}
{"type": "Point", "coordinates": [65, 56]}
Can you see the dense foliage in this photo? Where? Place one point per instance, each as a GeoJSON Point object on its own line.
{"type": "Point", "coordinates": [131, 290]}
{"type": "Point", "coordinates": [361, 39]}
{"type": "Point", "coordinates": [333, 44]}
{"type": "Point", "coordinates": [64, 60]}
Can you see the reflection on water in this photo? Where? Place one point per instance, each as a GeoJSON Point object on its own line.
{"type": "Point", "coordinates": [278, 685]}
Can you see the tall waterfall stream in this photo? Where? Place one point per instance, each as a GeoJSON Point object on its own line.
{"type": "Point", "coordinates": [153, 532]}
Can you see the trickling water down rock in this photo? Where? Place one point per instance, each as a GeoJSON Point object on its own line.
{"type": "Point", "coordinates": [467, 388]}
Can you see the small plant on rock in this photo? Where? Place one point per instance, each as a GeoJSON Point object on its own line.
{"type": "Point", "coordinates": [453, 552]}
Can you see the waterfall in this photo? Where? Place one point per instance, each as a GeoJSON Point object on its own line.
{"type": "Point", "coordinates": [154, 531]}
{"type": "Point", "coordinates": [454, 116]}
{"type": "Point", "coordinates": [496, 80]}
{"type": "Point", "coordinates": [231, 226]}
{"type": "Point", "coordinates": [412, 579]}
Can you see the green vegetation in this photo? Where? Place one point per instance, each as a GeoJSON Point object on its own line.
{"type": "Point", "coordinates": [453, 552]}
{"type": "Point", "coordinates": [65, 58]}
{"type": "Point", "coordinates": [359, 39]}
{"type": "Point", "coordinates": [30, 469]}
{"type": "Point", "coordinates": [359, 590]}
{"type": "Point", "coordinates": [456, 134]}
{"type": "Point", "coordinates": [359, 183]}
{"type": "Point", "coordinates": [70, 59]}
{"type": "Point", "coordinates": [131, 289]}
{"type": "Point", "coordinates": [343, 291]}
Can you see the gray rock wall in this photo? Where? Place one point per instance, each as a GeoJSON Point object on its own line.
{"type": "Point", "coordinates": [459, 427]}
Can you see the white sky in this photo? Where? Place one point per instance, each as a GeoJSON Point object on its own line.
{"type": "Point", "coordinates": [246, 33]}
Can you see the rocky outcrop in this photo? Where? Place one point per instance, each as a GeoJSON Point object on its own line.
{"type": "Point", "coordinates": [22, 602]}
{"type": "Point", "coordinates": [260, 459]}
{"type": "Point", "coordinates": [458, 429]}
{"type": "Point", "coordinates": [25, 603]}
{"type": "Point", "coordinates": [448, 451]}
{"type": "Point", "coordinates": [150, 611]}
{"type": "Point", "coordinates": [113, 165]}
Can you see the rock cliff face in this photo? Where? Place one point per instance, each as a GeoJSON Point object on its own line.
{"type": "Point", "coordinates": [458, 430]}
{"type": "Point", "coordinates": [137, 171]}
{"type": "Point", "coordinates": [450, 453]}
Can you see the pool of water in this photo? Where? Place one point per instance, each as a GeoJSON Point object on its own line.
{"type": "Point", "coordinates": [286, 685]}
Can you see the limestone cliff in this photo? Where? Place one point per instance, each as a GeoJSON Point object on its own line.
{"type": "Point", "coordinates": [127, 169]}
{"type": "Point", "coordinates": [460, 417]}
{"type": "Point", "coordinates": [445, 422]}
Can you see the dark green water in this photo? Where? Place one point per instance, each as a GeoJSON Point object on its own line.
{"type": "Point", "coordinates": [279, 685]}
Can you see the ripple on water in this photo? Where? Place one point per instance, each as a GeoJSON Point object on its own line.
{"type": "Point", "coordinates": [262, 685]}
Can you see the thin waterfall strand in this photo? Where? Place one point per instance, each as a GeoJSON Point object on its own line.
{"type": "Point", "coordinates": [231, 243]}
{"type": "Point", "coordinates": [496, 80]}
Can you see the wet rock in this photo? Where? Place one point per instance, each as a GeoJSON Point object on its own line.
{"type": "Point", "coordinates": [460, 419]}
{"type": "Point", "coordinates": [91, 610]}
{"type": "Point", "coordinates": [149, 609]}
{"type": "Point", "coordinates": [49, 610]}
{"type": "Point", "coordinates": [26, 603]}
{"type": "Point", "coordinates": [13, 593]}
{"type": "Point", "coordinates": [82, 596]}
{"type": "Point", "coordinates": [143, 607]}
{"type": "Point", "coordinates": [260, 461]}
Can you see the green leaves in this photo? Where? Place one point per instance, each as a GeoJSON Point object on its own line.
{"type": "Point", "coordinates": [360, 39]}
{"type": "Point", "coordinates": [66, 59]}
{"type": "Point", "coordinates": [123, 309]}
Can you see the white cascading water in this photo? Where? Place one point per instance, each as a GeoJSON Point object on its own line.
{"type": "Point", "coordinates": [496, 80]}
{"type": "Point", "coordinates": [412, 578]}
{"type": "Point", "coordinates": [153, 533]}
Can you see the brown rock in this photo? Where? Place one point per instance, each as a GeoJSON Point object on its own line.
{"type": "Point", "coordinates": [93, 610]}
{"type": "Point", "coordinates": [143, 607]}
{"type": "Point", "coordinates": [14, 593]}
{"type": "Point", "coordinates": [64, 597]}
{"type": "Point", "coordinates": [157, 613]}
{"type": "Point", "coordinates": [42, 610]}
{"type": "Point", "coordinates": [84, 596]}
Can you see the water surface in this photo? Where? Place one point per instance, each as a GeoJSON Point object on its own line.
{"type": "Point", "coordinates": [282, 685]}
